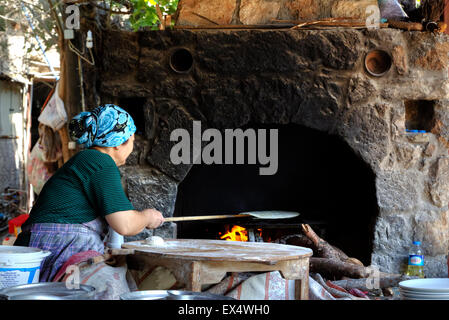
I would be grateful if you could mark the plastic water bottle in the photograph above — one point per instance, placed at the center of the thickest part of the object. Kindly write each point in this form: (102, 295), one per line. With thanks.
(416, 261)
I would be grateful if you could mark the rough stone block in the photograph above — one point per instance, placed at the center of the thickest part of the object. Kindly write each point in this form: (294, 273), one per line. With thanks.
(218, 11)
(439, 187)
(159, 156)
(258, 11)
(342, 46)
(124, 56)
(301, 10)
(398, 190)
(400, 59)
(319, 106)
(434, 58)
(407, 154)
(393, 232)
(367, 130)
(389, 263)
(441, 116)
(360, 89)
(430, 149)
(432, 229)
(436, 267)
(392, 238)
(233, 59)
(152, 66)
(351, 8)
(148, 188)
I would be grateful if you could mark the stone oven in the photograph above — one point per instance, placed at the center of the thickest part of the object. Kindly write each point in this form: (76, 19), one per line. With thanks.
(345, 102)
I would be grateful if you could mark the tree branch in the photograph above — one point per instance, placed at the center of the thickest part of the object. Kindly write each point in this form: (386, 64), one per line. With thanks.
(59, 27)
(42, 23)
(110, 10)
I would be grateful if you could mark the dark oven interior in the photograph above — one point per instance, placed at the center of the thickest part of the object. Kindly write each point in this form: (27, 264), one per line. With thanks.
(318, 175)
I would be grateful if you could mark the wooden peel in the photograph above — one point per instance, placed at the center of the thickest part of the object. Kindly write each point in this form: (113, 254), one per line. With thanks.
(409, 26)
(257, 214)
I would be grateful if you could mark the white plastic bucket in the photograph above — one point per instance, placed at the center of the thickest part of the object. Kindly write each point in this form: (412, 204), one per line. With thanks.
(20, 265)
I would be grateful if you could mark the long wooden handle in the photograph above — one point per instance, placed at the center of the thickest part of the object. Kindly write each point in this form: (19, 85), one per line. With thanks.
(410, 26)
(172, 219)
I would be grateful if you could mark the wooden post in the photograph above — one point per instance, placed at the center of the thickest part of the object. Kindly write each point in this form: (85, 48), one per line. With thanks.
(62, 92)
(68, 91)
(194, 277)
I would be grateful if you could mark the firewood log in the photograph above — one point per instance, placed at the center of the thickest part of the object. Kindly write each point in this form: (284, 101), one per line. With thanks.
(336, 269)
(299, 240)
(385, 281)
(334, 292)
(325, 250)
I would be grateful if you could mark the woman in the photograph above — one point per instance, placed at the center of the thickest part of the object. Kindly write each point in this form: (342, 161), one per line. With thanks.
(85, 195)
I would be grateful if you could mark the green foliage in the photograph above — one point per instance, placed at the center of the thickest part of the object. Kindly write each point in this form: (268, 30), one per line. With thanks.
(43, 15)
(145, 15)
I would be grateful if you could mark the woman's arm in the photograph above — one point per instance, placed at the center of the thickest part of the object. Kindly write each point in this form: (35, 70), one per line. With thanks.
(132, 222)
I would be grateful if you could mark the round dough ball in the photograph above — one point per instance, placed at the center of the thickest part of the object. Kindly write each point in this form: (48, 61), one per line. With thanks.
(155, 241)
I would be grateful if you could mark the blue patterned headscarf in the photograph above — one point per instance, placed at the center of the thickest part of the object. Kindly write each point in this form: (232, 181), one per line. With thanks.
(105, 126)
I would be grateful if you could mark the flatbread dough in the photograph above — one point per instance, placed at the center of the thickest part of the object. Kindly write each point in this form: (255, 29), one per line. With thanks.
(155, 241)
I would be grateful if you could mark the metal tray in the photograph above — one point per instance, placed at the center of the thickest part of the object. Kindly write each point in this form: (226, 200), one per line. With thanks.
(191, 295)
(171, 295)
(145, 295)
(47, 291)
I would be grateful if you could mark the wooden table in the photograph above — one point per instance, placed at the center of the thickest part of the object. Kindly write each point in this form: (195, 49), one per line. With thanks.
(198, 262)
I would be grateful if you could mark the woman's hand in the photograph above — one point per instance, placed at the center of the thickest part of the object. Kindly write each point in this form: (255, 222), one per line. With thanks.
(156, 218)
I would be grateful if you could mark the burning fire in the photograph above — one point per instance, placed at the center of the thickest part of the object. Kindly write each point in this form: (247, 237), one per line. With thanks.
(237, 233)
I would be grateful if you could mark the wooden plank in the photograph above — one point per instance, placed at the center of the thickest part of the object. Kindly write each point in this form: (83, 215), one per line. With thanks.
(194, 277)
(220, 250)
(302, 289)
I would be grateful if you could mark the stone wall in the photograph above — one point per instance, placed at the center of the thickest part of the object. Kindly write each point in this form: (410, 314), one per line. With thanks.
(307, 77)
(250, 12)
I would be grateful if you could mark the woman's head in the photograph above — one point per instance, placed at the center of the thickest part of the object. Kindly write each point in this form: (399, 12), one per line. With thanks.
(107, 126)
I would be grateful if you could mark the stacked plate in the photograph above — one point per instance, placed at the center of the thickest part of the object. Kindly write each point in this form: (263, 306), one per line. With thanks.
(425, 289)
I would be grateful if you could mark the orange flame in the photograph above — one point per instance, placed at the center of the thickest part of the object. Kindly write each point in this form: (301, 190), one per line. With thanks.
(237, 233)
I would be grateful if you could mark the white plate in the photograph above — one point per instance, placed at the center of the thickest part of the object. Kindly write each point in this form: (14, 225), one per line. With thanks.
(424, 293)
(426, 285)
(406, 297)
(427, 296)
